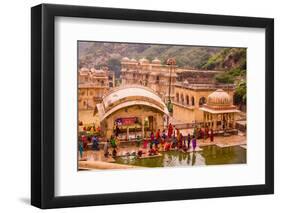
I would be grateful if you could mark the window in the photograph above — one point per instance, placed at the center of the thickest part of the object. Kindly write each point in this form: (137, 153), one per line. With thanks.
(202, 101)
(177, 97)
(192, 101)
(182, 99)
(187, 99)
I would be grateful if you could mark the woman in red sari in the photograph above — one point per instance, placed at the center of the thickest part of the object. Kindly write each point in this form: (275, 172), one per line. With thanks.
(212, 135)
(170, 130)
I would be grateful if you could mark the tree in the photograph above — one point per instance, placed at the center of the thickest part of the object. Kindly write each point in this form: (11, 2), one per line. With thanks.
(241, 91)
(114, 65)
(224, 78)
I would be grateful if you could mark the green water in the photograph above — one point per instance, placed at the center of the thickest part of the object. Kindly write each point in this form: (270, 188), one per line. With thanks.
(210, 155)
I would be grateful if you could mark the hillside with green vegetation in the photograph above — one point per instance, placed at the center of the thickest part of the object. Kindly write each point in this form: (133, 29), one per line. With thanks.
(233, 62)
(99, 54)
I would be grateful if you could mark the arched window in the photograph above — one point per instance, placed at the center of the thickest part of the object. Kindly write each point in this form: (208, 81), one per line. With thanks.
(177, 97)
(187, 99)
(202, 101)
(192, 101)
(182, 99)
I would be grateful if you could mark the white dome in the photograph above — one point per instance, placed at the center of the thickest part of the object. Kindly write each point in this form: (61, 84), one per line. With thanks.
(143, 61)
(125, 59)
(156, 61)
(84, 69)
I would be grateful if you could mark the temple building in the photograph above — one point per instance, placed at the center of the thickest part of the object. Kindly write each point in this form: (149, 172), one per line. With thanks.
(190, 97)
(219, 113)
(133, 109)
(161, 78)
(93, 84)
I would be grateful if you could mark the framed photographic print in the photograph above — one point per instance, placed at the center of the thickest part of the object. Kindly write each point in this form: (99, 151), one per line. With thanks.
(140, 106)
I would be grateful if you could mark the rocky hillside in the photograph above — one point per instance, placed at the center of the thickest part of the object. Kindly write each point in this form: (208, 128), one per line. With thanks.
(99, 54)
(227, 58)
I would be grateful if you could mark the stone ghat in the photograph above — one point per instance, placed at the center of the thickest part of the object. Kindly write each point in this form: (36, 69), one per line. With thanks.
(88, 165)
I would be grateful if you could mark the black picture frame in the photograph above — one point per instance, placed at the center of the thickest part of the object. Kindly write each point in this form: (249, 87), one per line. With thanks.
(43, 102)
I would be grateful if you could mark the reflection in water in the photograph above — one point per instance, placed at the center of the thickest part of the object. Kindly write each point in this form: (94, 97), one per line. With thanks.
(210, 155)
(193, 158)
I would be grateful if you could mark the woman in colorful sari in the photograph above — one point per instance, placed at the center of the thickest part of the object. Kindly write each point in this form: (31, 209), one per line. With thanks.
(163, 135)
(84, 141)
(194, 143)
(105, 149)
(113, 142)
(207, 132)
(180, 141)
(178, 134)
(80, 146)
(167, 146)
(157, 138)
(145, 144)
(212, 135)
(170, 130)
(188, 141)
(139, 140)
(174, 139)
(95, 142)
(151, 140)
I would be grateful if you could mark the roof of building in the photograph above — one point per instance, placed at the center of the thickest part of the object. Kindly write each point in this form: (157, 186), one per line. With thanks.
(219, 111)
(219, 97)
(129, 95)
(219, 102)
(193, 86)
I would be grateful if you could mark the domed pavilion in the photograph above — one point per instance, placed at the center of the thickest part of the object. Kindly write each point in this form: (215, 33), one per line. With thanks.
(219, 113)
(136, 110)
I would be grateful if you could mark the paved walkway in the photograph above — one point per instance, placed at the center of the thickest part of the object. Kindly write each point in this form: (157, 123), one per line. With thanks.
(89, 165)
(233, 140)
